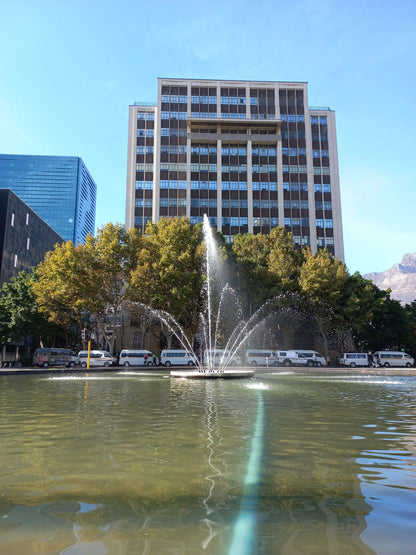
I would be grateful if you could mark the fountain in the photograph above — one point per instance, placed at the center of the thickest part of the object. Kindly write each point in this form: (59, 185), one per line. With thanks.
(219, 354)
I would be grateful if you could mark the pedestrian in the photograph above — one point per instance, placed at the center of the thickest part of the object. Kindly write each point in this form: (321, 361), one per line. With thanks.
(145, 359)
(154, 359)
(370, 360)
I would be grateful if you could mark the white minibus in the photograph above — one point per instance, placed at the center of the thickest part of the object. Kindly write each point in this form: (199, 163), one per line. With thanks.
(97, 358)
(136, 357)
(177, 357)
(261, 357)
(300, 357)
(221, 357)
(393, 358)
(354, 359)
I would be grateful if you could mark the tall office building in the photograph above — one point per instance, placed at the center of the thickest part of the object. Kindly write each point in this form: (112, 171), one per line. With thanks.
(59, 189)
(251, 155)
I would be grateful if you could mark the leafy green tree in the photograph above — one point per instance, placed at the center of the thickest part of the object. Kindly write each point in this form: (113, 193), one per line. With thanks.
(168, 275)
(265, 265)
(89, 280)
(322, 279)
(20, 315)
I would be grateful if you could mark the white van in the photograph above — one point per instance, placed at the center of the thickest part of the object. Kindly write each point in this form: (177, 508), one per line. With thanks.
(97, 358)
(393, 358)
(354, 359)
(261, 357)
(221, 356)
(177, 357)
(136, 357)
(300, 357)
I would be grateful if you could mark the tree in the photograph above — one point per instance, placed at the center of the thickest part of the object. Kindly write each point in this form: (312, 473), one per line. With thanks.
(89, 280)
(20, 315)
(265, 265)
(168, 276)
(322, 279)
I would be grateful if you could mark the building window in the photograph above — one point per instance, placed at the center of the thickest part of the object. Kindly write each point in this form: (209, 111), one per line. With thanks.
(15, 261)
(12, 220)
(27, 218)
(28, 243)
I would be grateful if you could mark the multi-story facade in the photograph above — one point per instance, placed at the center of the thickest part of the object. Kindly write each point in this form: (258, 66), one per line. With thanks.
(251, 155)
(24, 237)
(59, 189)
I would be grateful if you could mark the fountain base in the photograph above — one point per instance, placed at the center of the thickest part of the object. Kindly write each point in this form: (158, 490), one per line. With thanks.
(226, 374)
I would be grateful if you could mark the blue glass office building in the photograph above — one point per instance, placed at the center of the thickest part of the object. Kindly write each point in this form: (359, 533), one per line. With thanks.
(59, 189)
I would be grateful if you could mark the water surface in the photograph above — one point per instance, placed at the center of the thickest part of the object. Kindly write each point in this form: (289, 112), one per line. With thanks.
(135, 462)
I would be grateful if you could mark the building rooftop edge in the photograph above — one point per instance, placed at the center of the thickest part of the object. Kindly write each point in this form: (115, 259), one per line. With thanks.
(227, 80)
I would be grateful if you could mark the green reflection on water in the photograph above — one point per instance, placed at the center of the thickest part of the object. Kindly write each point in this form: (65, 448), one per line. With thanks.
(140, 464)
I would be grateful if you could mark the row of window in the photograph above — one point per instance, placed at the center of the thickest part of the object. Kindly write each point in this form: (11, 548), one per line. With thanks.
(321, 119)
(325, 241)
(295, 186)
(301, 240)
(240, 100)
(293, 151)
(172, 184)
(144, 150)
(202, 99)
(172, 202)
(203, 149)
(319, 153)
(174, 115)
(242, 186)
(322, 188)
(236, 222)
(149, 116)
(294, 168)
(173, 167)
(324, 223)
(144, 167)
(303, 204)
(143, 203)
(173, 149)
(145, 132)
(225, 100)
(166, 132)
(203, 114)
(292, 118)
(296, 222)
(175, 98)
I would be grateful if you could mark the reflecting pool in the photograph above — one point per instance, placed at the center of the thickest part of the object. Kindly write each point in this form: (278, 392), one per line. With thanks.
(137, 463)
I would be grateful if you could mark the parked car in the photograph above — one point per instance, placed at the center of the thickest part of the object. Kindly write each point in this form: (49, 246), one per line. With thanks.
(45, 357)
(354, 359)
(178, 357)
(97, 358)
(261, 357)
(393, 358)
(136, 357)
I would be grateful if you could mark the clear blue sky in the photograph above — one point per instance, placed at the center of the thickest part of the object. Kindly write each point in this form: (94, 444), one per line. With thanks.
(70, 68)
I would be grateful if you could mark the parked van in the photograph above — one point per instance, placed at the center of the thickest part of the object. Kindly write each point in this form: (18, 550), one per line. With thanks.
(97, 358)
(261, 357)
(221, 356)
(393, 358)
(300, 357)
(354, 359)
(136, 357)
(177, 357)
(54, 357)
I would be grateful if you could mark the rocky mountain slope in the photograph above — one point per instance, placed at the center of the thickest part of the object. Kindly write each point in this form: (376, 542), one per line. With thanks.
(401, 279)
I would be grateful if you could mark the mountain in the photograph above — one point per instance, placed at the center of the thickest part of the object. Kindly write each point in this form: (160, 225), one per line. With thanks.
(401, 279)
